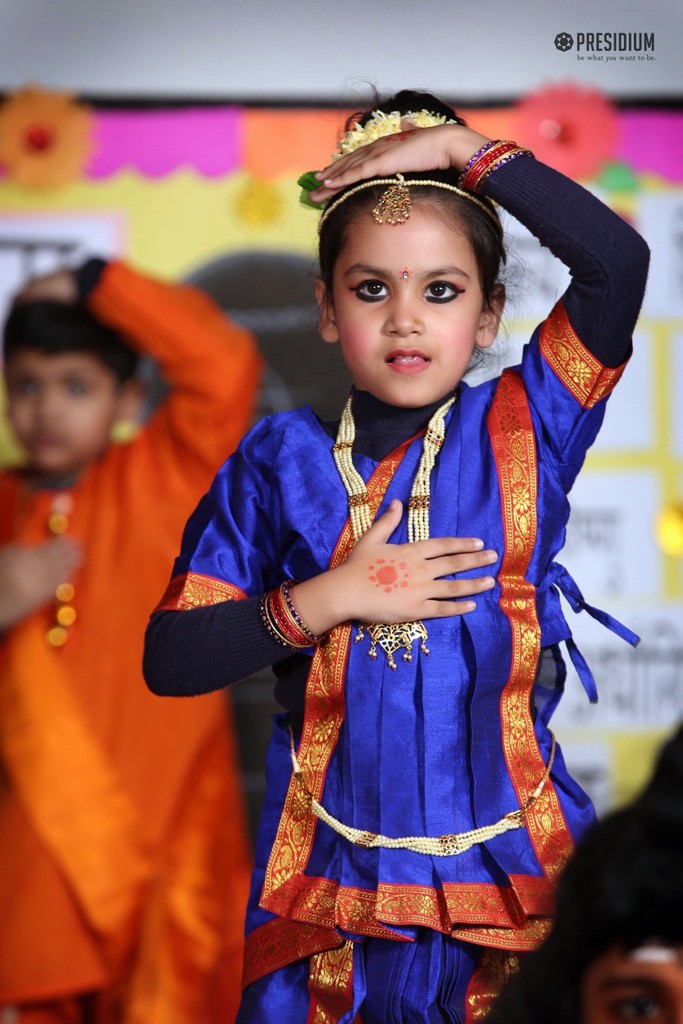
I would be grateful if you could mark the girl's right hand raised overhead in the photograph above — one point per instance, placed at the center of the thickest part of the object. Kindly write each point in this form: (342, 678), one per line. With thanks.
(414, 149)
(383, 582)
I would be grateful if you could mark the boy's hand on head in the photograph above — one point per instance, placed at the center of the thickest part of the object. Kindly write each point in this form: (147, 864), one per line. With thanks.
(58, 286)
(414, 149)
(383, 582)
(29, 576)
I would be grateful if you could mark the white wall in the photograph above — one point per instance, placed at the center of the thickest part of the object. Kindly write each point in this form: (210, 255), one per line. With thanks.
(328, 49)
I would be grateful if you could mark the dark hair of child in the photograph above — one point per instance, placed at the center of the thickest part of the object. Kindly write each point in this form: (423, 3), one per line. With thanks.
(484, 237)
(56, 328)
(622, 888)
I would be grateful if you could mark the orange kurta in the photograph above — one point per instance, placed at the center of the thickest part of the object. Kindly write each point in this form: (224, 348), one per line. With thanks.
(124, 863)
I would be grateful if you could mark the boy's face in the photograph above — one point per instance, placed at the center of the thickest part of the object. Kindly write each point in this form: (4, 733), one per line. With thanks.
(407, 308)
(644, 985)
(62, 408)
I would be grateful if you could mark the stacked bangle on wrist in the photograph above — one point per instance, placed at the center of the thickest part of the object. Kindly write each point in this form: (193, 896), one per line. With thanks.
(488, 159)
(282, 620)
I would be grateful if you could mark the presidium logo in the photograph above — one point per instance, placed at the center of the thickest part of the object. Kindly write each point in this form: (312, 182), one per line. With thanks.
(608, 46)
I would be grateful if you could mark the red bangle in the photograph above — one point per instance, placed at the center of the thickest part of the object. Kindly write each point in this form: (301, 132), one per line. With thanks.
(293, 613)
(282, 621)
(488, 159)
(475, 156)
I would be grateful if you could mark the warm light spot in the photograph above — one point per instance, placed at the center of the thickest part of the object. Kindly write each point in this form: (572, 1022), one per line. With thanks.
(57, 636)
(57, 523)
(669, 530)
(66, 615)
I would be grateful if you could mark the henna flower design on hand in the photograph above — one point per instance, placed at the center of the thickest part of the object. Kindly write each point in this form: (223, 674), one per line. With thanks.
(390, 575)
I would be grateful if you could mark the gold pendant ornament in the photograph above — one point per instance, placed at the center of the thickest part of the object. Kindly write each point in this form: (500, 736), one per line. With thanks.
(392, 636)
(394, 204)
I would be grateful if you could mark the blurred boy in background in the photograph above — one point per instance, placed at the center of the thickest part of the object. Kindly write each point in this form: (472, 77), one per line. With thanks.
(124, 862)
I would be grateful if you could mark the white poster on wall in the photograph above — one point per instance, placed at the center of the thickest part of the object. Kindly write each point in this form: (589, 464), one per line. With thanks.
(34, 244)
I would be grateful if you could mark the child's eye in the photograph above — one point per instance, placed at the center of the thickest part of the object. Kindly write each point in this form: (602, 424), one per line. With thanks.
(442, 291)
(370, 291)
(23, 386)
(76, 387)
(637, 1008)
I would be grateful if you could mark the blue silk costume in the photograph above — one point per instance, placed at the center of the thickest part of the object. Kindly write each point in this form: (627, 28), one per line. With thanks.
(449, 742)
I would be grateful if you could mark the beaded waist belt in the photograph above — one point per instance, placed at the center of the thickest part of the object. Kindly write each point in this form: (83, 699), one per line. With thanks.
(435, 846)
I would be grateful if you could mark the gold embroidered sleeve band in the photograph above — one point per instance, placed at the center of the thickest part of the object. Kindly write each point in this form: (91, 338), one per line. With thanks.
(583, 376)
(192, 590)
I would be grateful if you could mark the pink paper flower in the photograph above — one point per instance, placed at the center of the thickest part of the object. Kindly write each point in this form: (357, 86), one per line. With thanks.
(571, 128)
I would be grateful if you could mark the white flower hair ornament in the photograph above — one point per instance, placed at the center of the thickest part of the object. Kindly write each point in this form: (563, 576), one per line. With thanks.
(395, 203)
(378, 126)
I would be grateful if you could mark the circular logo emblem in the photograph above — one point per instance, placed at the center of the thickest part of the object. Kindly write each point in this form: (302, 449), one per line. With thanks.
(563, 41)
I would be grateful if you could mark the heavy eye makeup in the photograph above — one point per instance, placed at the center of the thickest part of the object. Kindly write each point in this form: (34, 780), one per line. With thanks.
(442, 291)
(370, 291)
(437, 292)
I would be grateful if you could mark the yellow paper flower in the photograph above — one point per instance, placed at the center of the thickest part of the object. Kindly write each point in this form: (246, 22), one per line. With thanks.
(45, 137)
(381, 125)
(259, 203)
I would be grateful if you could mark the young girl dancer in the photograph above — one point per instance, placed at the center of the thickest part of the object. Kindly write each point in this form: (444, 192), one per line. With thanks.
(418, 810)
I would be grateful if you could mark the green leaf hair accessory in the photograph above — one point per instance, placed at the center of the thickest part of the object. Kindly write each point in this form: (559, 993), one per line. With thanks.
(309, 182)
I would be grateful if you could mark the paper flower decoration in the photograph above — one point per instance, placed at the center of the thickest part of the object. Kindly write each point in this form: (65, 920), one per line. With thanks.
(258, 203)
(617, 177)
(574, 129)
(45, 138)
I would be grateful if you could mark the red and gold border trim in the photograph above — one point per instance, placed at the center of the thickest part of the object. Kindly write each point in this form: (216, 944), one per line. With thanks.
(330, 984)
(512, 918)
(281, 942)
(515, 940)
(326, 904)
(514, 449)
(583, 376)
(192, 590)
(493, 970)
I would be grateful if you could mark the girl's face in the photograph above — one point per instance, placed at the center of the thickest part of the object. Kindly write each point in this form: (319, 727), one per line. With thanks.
(407, 307)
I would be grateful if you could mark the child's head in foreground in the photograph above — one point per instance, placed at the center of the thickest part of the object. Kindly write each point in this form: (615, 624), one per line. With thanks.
(68, 379)
(409, 302)
(616, 950)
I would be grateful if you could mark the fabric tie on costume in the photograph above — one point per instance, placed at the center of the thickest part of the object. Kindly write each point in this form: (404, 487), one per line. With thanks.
(561, 580)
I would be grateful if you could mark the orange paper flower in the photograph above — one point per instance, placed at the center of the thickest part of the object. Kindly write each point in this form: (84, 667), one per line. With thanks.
(45, 137)
(572, 128)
